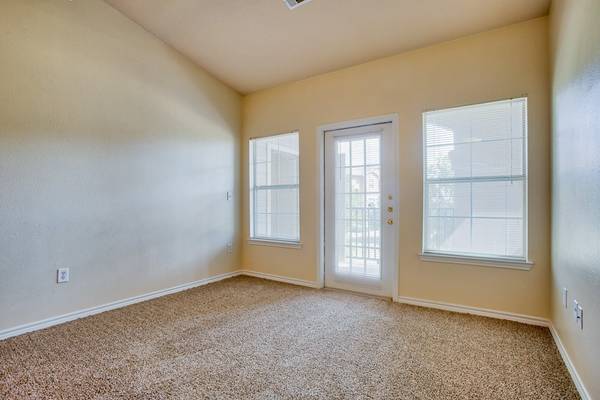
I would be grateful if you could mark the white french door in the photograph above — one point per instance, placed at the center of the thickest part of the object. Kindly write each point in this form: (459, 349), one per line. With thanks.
(360, 195)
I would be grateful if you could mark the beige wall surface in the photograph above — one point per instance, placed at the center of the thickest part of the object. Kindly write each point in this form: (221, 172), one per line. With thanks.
(116, 154)
(503, 63)
(575, 40)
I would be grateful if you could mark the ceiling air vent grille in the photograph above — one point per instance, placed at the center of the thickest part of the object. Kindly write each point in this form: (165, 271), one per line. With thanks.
(295, 3)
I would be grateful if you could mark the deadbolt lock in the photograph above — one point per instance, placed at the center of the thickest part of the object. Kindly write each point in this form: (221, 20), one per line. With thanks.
(390, 209)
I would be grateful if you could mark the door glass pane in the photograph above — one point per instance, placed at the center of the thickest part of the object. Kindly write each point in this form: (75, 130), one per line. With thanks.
(358, 206)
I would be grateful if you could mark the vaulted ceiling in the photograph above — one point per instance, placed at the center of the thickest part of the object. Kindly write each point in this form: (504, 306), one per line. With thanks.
(255, 44)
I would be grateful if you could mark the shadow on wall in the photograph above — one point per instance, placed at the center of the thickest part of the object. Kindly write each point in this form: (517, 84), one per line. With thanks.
(116, 154)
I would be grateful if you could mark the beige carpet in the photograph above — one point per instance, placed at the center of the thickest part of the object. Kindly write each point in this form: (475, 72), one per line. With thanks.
(247, 338)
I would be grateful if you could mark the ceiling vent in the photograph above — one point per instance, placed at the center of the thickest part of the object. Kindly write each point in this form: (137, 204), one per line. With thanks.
(295, 3)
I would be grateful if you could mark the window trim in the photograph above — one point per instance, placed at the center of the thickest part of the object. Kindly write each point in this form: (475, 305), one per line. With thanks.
(495, 262)
(522, 263)
(268, 241)
(275, 243)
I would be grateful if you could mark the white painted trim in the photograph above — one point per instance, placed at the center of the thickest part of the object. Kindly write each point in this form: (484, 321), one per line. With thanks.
(477, 261)
(60, 319)
(364, 289)
(359, 122)
(320, 207)
(275, 243)
(484, 312)
(526, 319)
(251, 191)
(294, 6)
(522, 98)
(279, 278)
(585, 395)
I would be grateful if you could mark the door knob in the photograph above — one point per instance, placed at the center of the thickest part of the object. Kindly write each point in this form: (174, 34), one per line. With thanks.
(390, 221)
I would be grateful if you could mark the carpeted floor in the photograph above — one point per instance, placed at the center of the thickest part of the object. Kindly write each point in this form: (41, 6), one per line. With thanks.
(246, 338)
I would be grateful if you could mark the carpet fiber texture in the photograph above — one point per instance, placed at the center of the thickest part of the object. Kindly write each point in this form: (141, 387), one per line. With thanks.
(247, 338)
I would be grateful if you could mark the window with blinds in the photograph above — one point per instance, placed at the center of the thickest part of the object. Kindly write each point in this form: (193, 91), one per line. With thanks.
(274, 188)
(475, 181)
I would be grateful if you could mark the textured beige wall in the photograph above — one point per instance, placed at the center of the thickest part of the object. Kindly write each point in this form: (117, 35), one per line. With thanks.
(507, 62)
(575, 33)
(115, 157)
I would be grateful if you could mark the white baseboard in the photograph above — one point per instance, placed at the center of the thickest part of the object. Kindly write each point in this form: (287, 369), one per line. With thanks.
(48, 322)
(570, 366)
(279, 278)
(60, 319)
(526, 319)
(485, 312)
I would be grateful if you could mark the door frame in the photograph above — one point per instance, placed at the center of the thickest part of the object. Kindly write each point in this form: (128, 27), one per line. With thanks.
(321, 130)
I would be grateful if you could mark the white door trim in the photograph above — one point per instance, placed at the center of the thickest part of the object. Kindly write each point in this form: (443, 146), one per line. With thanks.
(320, 206)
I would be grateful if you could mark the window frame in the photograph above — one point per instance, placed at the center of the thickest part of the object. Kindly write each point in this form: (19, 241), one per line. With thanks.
(523, 262)
(260, 240)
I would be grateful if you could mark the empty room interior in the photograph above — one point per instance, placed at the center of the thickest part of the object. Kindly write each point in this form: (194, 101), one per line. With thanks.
(300, 199)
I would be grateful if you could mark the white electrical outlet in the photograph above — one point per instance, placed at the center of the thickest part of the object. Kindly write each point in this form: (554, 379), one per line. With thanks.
(229, 248)
(62, 275)
(578, 313)
(565, 297)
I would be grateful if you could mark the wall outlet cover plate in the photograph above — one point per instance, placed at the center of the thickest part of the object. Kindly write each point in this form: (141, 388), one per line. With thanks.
(62, 275)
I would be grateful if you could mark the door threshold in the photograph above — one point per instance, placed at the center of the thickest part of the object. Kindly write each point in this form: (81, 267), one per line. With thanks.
(357, 293)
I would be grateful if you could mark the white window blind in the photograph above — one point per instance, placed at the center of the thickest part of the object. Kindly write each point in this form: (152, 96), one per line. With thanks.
(475, 180)
(274, 188)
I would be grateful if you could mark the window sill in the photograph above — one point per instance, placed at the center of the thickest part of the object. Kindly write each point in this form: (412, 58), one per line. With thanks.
(275, 243)
(523, 265)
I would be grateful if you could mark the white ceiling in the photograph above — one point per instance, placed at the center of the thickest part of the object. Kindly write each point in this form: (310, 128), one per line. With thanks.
(255, 44)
